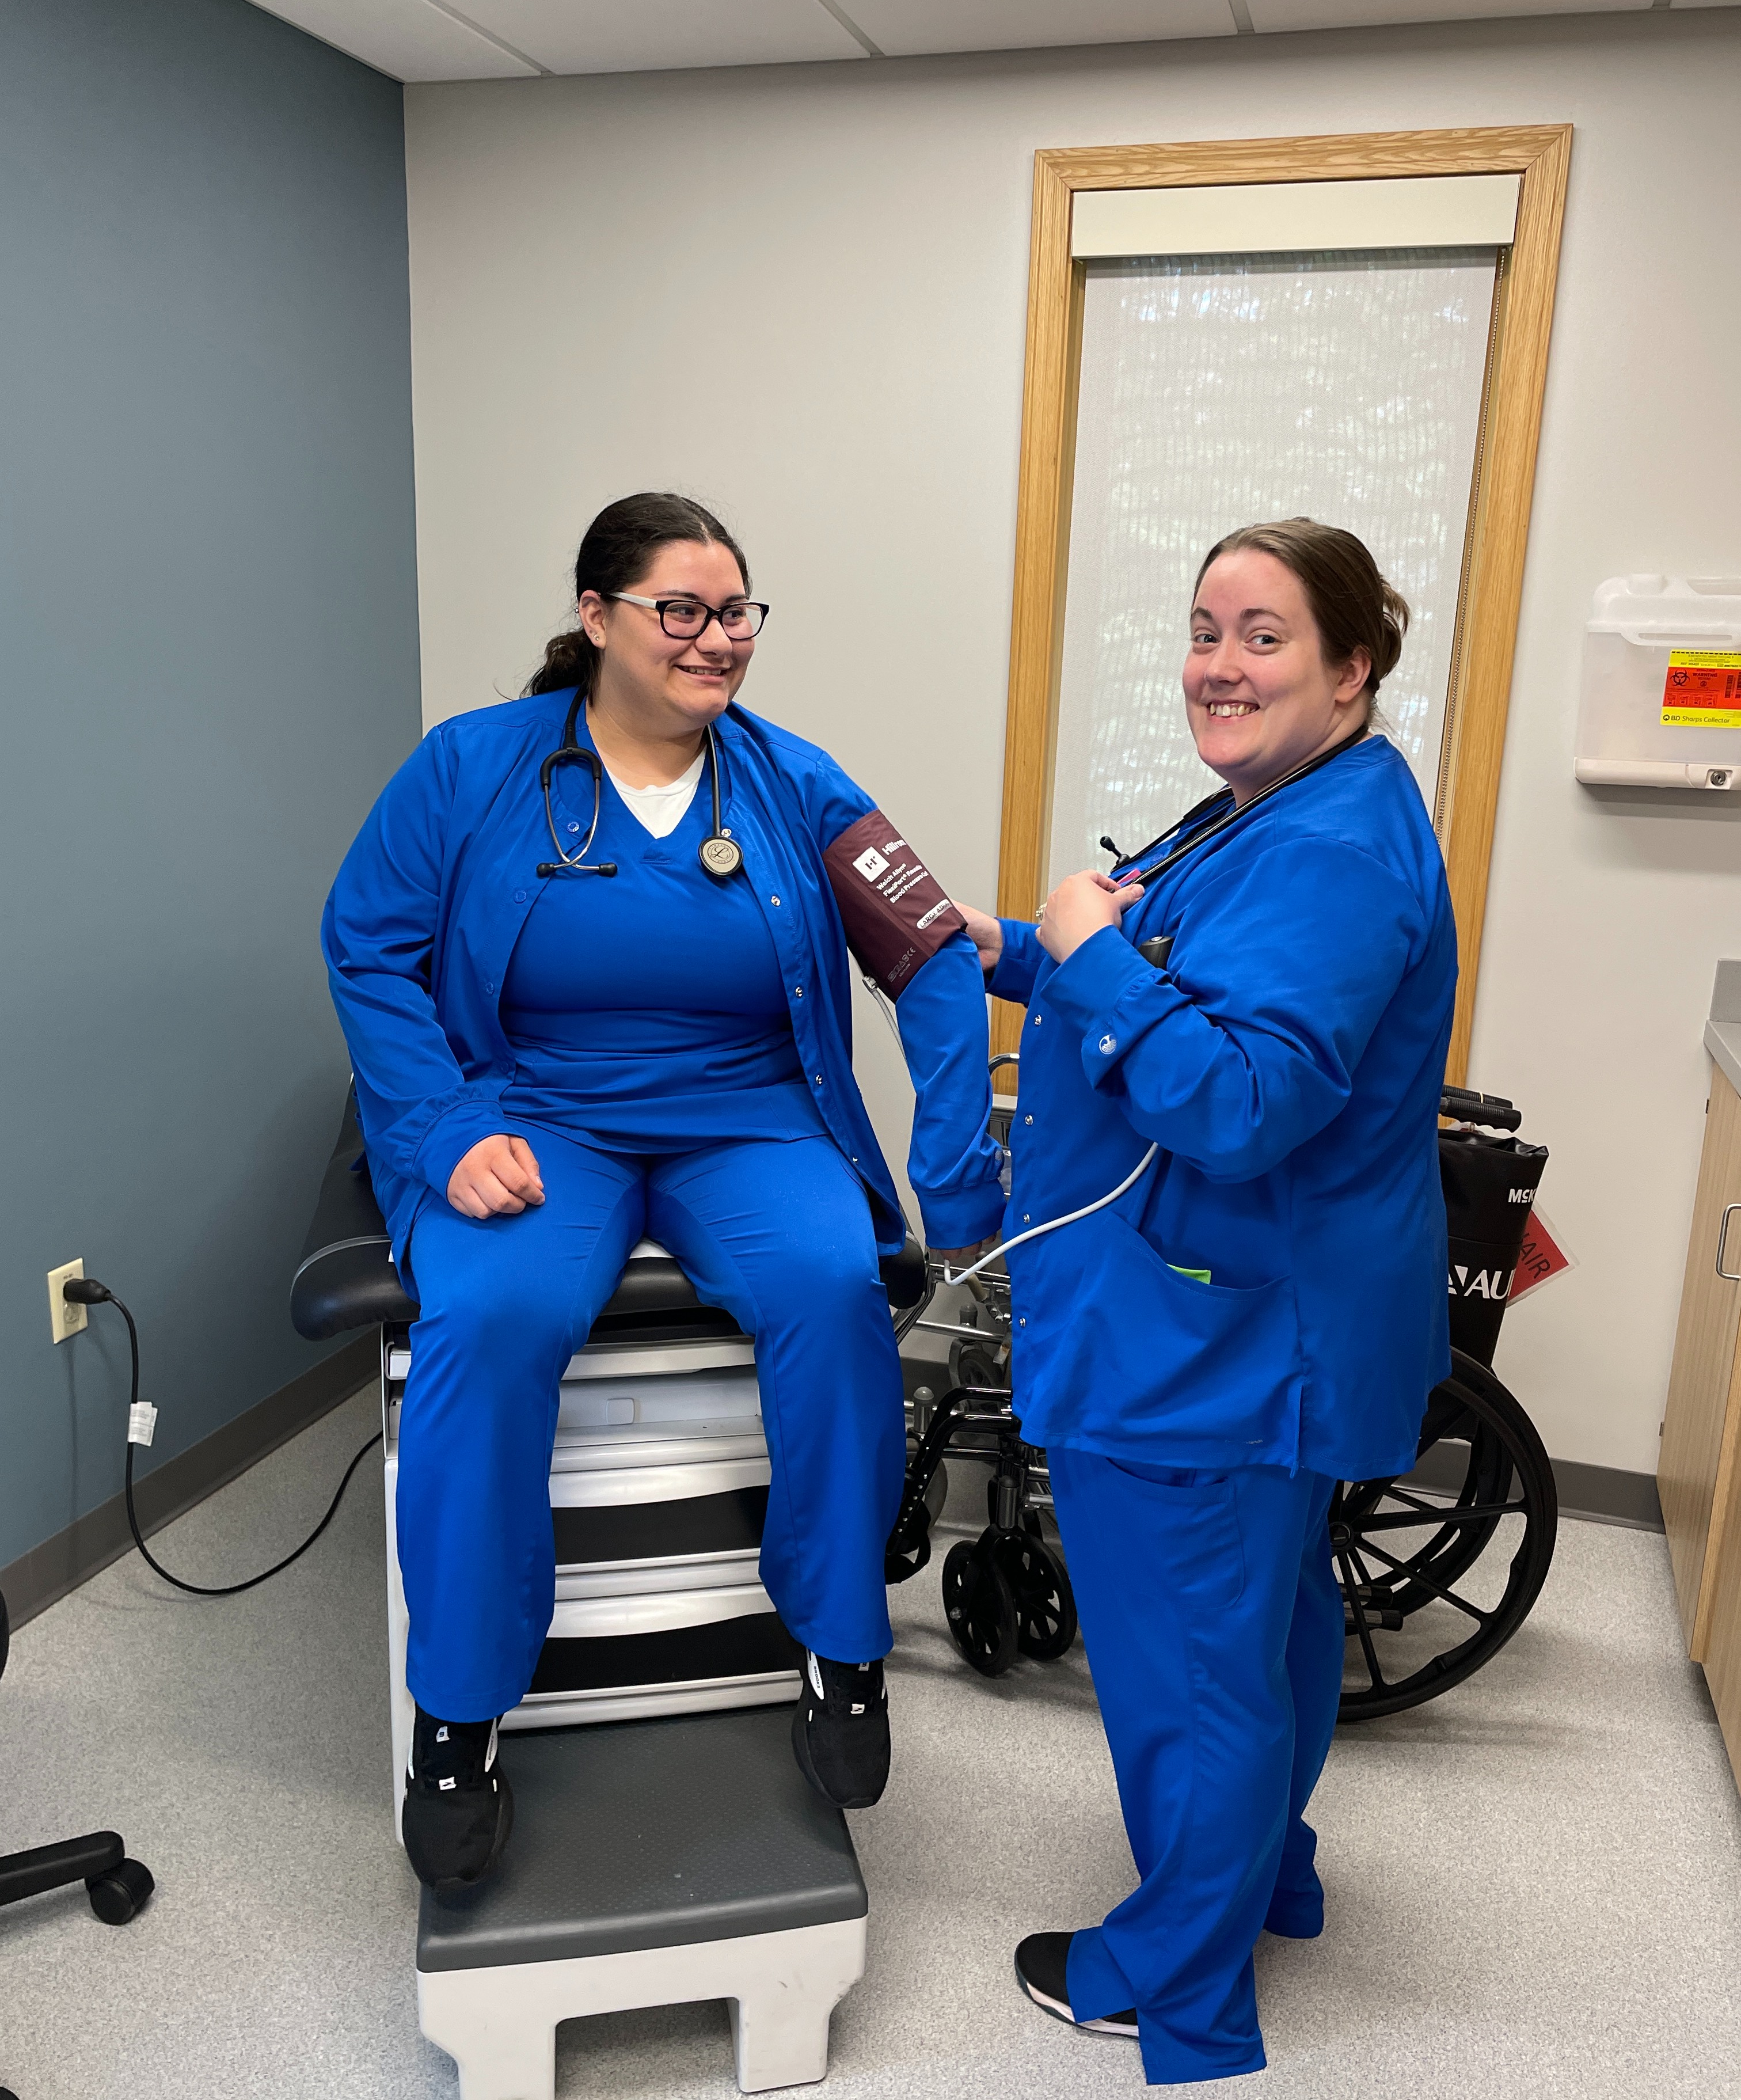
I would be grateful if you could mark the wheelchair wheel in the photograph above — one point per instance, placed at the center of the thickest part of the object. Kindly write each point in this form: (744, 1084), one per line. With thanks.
(980, 1607)
(1045, 1602)
(1426, 1603)
(984, 1365)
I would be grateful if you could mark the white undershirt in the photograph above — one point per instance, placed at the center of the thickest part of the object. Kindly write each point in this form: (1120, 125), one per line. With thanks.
(660, 810)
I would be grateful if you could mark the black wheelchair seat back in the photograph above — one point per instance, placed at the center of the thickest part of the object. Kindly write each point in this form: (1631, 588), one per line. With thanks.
(1489, 1176)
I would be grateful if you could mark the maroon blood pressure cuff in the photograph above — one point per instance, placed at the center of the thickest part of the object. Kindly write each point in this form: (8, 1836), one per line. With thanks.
(895, 915)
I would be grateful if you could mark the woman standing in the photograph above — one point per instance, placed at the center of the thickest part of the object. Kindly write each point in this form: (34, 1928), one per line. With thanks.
(1264, 1311)
(589, 952)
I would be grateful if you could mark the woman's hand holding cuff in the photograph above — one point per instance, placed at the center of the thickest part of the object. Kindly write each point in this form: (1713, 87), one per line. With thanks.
(984, 932)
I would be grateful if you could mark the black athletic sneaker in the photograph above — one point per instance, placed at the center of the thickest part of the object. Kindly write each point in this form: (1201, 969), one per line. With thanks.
(1041, 1962)
(840, 1730)
(459, 1807)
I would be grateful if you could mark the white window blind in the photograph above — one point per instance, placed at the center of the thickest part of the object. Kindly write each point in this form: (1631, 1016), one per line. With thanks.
(1222, 391)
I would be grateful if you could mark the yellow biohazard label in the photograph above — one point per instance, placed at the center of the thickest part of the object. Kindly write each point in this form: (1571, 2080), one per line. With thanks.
(1703, 689)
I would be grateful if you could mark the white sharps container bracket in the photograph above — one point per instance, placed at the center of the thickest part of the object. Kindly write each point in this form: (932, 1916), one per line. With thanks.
(1661, 700)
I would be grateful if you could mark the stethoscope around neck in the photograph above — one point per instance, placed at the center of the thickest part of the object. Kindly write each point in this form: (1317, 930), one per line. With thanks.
(720, 853)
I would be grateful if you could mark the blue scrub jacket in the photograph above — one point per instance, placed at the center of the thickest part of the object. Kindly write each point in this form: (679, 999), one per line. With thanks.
(1288, 1058)
(431, 898)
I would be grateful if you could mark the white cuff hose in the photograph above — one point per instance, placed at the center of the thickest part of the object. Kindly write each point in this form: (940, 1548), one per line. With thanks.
(1051, 1225)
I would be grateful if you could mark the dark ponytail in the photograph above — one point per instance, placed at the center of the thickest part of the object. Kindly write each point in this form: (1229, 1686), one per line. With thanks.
(614, 554)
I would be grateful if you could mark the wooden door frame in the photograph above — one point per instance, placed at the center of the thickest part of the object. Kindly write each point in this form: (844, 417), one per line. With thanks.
(1498, 530)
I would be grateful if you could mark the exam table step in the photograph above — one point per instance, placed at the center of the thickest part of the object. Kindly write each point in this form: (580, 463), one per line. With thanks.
(654, 1863)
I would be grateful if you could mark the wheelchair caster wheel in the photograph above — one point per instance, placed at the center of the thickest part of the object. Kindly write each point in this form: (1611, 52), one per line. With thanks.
(980, 1608)
(1045, 1602)
(118, 1897)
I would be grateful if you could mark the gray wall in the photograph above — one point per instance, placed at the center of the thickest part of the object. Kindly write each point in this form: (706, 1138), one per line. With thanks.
(208, 666)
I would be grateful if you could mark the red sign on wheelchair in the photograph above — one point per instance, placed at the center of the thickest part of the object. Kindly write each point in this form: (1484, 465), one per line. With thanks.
(1539, 1259)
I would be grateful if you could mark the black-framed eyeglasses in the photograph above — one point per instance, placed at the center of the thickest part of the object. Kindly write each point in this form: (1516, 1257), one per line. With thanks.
(685, 619)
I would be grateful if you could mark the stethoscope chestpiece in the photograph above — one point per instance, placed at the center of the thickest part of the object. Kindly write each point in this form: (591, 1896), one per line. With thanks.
(722, 856)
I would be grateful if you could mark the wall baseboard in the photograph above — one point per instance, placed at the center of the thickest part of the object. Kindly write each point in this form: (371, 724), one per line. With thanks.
(1608, 1494)
(90, 1543)
(1600, 1494)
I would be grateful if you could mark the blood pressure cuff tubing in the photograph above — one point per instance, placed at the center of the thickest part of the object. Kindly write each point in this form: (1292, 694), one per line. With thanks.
(896, 916)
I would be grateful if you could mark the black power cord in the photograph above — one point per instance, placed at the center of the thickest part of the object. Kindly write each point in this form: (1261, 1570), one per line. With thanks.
(86, 1291)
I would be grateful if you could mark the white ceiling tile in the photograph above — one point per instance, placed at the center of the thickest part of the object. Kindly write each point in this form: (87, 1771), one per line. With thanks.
(901, 27)
(407, 39)
(1274, 15)
(609, 36)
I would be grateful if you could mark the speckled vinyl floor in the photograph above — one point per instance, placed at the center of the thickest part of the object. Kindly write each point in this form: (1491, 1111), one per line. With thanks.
(1535, 1883)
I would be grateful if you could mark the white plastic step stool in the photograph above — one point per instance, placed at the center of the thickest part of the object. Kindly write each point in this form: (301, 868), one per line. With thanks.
(652, 1862)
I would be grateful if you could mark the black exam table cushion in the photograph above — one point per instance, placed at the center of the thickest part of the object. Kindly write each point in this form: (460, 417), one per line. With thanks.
(346, 1278)
(650, 1833)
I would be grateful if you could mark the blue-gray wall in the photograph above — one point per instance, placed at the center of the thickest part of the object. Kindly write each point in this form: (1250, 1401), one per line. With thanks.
(208, 666)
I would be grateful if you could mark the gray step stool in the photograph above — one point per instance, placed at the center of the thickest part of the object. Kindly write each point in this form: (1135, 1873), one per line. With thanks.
(653, 1863)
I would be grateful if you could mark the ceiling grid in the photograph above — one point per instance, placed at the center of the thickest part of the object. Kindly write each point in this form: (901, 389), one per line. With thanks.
(431, 40)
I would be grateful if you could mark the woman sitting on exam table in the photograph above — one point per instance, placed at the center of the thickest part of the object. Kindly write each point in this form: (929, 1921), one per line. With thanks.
(589, 952)
(1264, 1311)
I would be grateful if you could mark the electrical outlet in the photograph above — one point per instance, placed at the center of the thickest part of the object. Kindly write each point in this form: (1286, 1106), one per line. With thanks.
(66, 1320)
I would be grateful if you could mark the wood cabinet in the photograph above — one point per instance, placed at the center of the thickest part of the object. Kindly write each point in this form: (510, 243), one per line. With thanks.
(1698, 1475)
(1704, 1413)
(1721, 1655)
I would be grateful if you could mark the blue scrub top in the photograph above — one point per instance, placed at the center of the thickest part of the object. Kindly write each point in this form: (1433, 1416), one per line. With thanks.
(646, 1012)
(425, 916)
(1289, 1059)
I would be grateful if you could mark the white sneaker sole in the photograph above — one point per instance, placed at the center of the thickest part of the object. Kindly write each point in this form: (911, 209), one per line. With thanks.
(1061, 2011)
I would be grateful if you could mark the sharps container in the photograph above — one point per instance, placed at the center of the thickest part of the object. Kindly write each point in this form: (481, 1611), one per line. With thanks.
(1661, 699)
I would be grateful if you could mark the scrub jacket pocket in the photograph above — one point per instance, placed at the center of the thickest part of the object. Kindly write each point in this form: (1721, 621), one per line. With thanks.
(1145, 1363)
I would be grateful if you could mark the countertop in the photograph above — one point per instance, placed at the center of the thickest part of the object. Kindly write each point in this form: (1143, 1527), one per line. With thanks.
(1722, 1031)
(1722, 1039)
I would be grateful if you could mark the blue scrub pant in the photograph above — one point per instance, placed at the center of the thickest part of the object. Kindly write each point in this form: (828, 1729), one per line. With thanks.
(777, 1234)
(1214, 1626)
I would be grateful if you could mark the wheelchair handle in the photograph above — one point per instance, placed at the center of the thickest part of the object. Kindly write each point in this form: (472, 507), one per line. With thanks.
(1491, 1110)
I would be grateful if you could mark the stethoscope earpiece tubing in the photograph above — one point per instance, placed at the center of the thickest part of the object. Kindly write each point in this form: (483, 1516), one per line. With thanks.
(720, 853)
(1147, 875)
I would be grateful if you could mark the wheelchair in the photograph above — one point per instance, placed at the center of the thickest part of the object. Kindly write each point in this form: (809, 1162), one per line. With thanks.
(1437, 1567)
